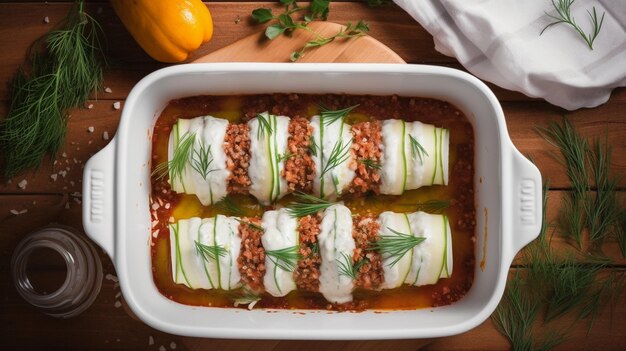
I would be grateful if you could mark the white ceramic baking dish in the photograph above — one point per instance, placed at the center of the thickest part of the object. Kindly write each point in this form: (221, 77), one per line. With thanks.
(116, 186)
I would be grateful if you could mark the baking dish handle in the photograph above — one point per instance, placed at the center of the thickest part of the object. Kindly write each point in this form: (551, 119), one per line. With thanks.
(527, 201)
(98, 189)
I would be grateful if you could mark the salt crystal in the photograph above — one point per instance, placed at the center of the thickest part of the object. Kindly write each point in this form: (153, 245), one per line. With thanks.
(111, 277)
(105, 135)
(155, 233)
(22, 184)
(15, 212)
(116, 105)
(77, 200)
(64, 155)
(54, 176)
(155, 206)
(162, 348)
(23, 211)
(118, 304)
(46, 19)
(90, 129)
(119, 293)
(173, 345)
(108, 90)
(150, 340)
(167, 206)
(90, 106)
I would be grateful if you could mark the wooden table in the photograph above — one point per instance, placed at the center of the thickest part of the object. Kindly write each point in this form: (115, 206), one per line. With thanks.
(104, 326)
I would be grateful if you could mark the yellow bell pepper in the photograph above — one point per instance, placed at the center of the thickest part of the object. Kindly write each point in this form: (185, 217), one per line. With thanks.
(168, 30)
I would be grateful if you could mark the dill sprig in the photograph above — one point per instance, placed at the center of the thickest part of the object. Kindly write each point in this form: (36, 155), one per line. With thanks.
(286, 259)
(285, 156)
(417, 150)
(264, 126)
(201, 161)
(582, 210)
(370, 163)
(347, 268)
(210, 252)
(245, 296)
(229, 206)
(339, 154)
(395, 246)
(250, 224)
(313, 147)
(176, 167)
(306, 205)
(328, 116)
(65, 66)
(563, 10)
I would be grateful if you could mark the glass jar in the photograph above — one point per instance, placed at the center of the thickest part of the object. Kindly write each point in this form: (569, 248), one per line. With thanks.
(83, 278)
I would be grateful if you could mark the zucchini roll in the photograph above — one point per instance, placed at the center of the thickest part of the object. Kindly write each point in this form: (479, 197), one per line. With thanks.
(331, 252)
(271, 156)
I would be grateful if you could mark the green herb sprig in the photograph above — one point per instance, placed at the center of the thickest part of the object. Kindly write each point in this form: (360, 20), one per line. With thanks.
(201, 161)
(370, 163)
(317, 10)
(395, 246)
(250, 224)
(347, 268)
(339, 154)
(230, 207)
(417, 150)
(210, 252)
(65, 67)
(563, 10)
(328, 116)
(286, 259)
(306, 204)
(176, 167)
(245, 296)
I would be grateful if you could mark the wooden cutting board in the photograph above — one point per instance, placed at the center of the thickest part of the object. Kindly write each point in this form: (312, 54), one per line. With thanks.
(257, 48)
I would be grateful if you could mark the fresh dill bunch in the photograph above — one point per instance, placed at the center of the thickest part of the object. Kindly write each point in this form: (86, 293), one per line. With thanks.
(328, 116)
(65, 66)
(563, 10)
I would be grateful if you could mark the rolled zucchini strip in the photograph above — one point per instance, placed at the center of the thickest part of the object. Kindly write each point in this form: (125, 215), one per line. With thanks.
(281, 243)
(432, 259)
(204, 252)
(268, 149)
(414, 154)
(331, 143)
(336, 248)
(396, 269)
(205, 173)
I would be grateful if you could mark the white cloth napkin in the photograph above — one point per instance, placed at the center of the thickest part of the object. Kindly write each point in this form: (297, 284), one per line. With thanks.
(499, 41)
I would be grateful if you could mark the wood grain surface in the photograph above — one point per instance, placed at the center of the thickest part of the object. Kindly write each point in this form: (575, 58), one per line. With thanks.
(103, 326)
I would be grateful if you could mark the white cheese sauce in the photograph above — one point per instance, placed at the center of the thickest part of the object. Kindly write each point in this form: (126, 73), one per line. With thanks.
(335, 244)
(280, 232)
(268, 146)
(332, 141)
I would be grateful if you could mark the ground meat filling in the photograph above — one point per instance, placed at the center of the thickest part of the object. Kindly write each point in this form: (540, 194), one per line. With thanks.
(299, 169)
(367, 138)
(237, 149)
(370, 274)
(251, 260)
(307, 274)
